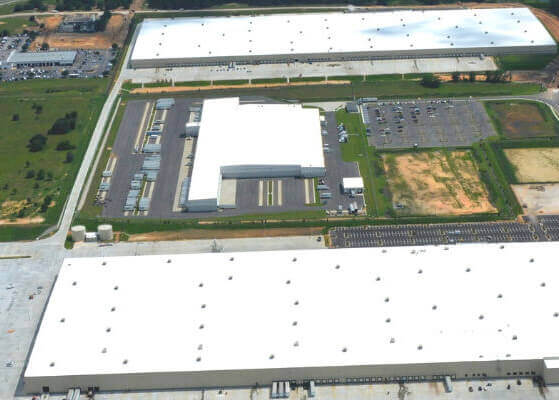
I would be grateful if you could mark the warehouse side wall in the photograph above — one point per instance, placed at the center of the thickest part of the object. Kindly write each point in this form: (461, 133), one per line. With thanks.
(348, 56)
(264, 377)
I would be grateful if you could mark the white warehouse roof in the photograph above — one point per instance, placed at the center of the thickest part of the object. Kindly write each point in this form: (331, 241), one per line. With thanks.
(248, 135)
(321, 33)
(203, 314)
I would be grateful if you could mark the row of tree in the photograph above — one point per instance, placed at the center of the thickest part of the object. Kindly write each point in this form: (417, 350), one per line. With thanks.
(30, 5)
(433, 81)
(196, 4)
(70, 5)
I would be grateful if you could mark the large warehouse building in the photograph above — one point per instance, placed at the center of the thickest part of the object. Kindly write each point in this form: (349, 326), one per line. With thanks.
(338, 36)
(252, 140)
(330, 316)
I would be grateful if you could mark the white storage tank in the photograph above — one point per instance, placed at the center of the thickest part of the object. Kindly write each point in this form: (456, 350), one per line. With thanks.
(105, 232)
(78, 233)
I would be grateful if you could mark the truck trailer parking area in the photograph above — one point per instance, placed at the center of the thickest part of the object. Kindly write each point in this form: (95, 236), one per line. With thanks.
(153, 158)
(426, 123)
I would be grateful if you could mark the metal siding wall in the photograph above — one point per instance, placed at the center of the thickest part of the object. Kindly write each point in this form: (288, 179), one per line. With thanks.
(264, 377)
(279, 58)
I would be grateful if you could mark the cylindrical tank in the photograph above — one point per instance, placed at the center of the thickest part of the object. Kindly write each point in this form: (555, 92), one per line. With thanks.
(105, 232)
(78, 233)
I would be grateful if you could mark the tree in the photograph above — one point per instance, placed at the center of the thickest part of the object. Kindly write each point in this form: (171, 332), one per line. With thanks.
(65, 145)
(46, 203)
(455, 76)
(49, 176)
(69, 157)
(41, 175)
(15, 117)
(30, 174)
(554, 7)
(37, 143)
(65, 73)
(45, 46)
(472, 76)
(115, 46)
(431, 81)
(4, 33)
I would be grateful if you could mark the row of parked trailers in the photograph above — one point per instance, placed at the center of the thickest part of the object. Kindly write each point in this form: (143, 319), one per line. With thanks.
(133, 199)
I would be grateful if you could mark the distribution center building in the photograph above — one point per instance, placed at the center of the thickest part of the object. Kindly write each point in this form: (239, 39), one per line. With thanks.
(251, 140)
(331, 316)
(338, 36)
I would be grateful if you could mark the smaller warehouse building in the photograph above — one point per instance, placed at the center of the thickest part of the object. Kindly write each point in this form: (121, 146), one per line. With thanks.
(352, 185)
(237, 140)
(42, 59)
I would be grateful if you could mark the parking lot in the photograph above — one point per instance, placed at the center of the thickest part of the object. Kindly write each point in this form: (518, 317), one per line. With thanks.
(436, 234)
(88, 63)
(426, 123)
(176, 155)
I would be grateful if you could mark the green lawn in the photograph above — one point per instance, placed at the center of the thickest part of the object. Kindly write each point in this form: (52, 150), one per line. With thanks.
(522, 119)
(525, 62)
(16, 24)
(380, 89)
(23, 189)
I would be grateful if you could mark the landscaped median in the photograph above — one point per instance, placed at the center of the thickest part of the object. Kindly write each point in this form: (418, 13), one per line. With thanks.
(336, 88)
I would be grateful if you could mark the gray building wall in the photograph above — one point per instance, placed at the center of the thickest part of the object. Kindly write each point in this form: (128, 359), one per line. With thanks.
(264, 377)
(350, 56)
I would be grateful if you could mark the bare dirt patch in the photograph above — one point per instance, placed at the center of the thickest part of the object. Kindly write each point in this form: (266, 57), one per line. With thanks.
(116, 32)
(22, 221)
(242, 86)
(223, 234)
(551, 22)
(535, 165)
(436, 183)
(538, 199)
(51, 23)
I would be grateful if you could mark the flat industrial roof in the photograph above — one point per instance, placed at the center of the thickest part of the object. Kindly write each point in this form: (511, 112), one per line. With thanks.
(216, 311)
(322, 33)
(42, 56)
(352, 183)
(251, 134)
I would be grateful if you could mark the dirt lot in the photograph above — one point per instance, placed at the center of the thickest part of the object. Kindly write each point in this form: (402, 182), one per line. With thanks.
(522, 119)
(223, 234)
(51, 23)
(116, 32)
(436, 183)
(551, 22)
(169, 89)
(538, 199)
(535, 165)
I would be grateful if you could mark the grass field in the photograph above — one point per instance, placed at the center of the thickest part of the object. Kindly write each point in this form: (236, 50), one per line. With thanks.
(535, 165)
(29, 179)
(524, 62)
(436, 183)
(522, 119)
(16, 24)
(382, 89)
